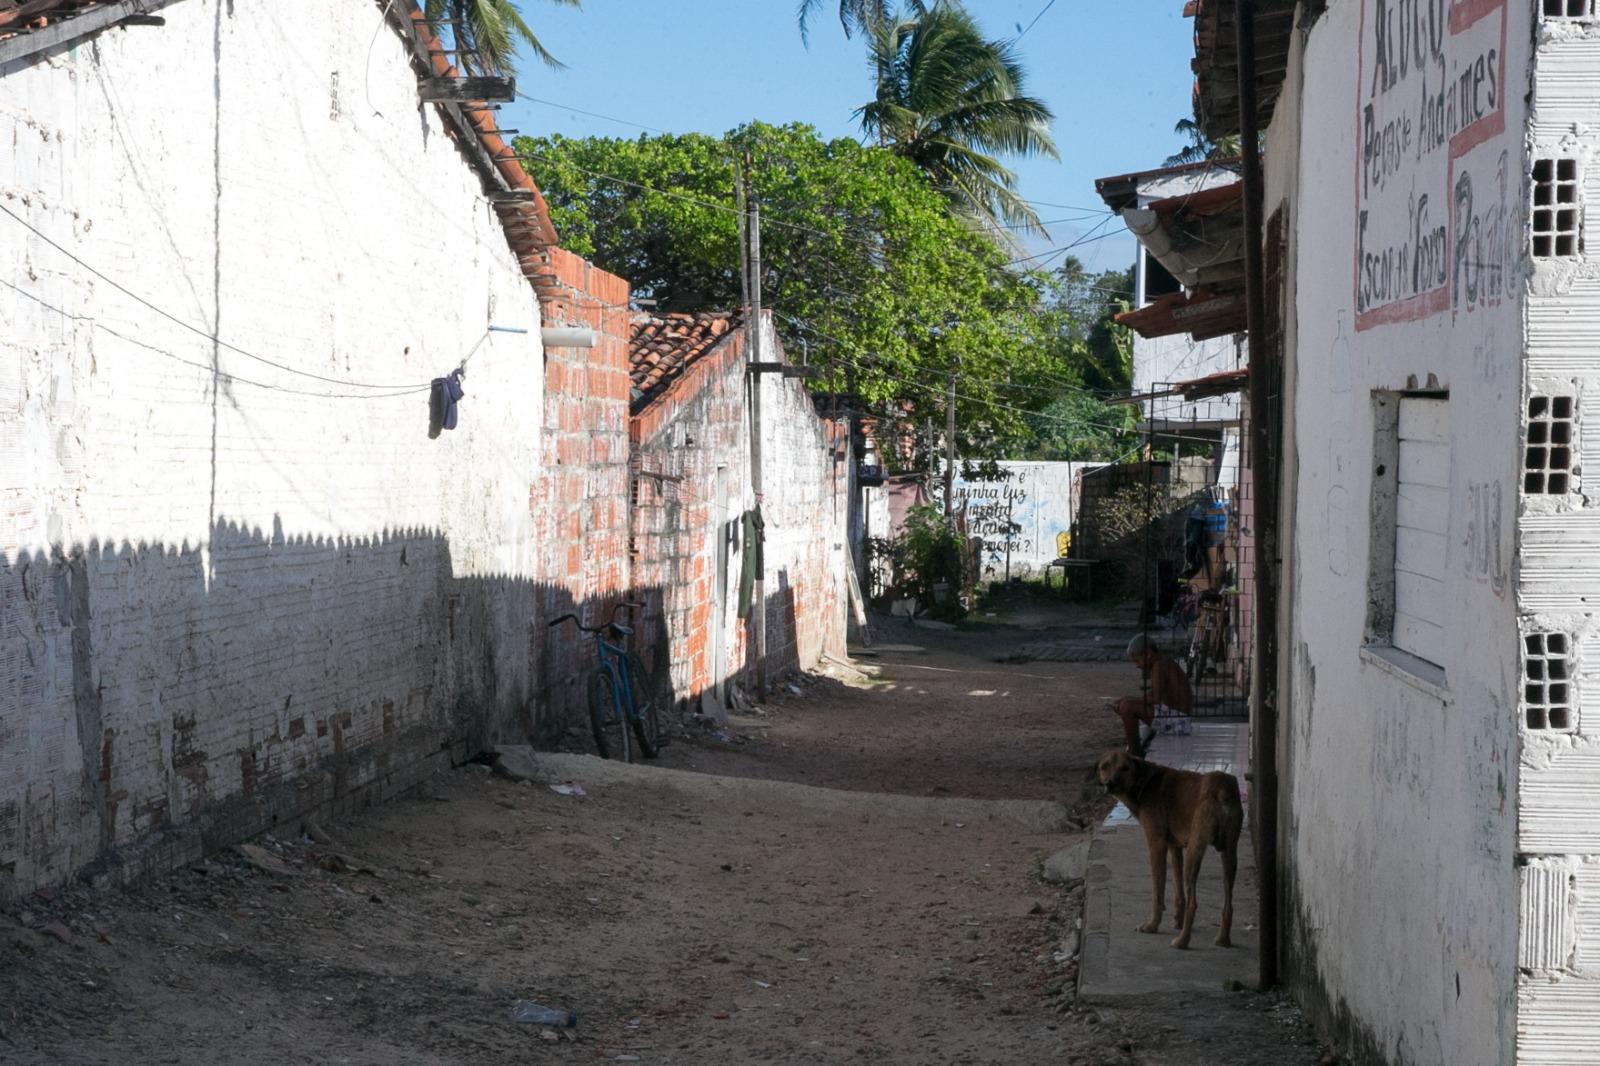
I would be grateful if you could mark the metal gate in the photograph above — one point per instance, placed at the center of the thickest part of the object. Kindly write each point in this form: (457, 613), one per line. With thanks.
(1199, 557)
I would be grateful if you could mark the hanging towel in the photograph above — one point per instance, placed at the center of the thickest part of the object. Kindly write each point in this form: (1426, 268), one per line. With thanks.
(442, 400)
(753, 562)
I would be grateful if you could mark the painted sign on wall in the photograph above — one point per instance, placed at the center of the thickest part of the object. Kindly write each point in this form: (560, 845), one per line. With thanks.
(1024, 517)
(1434, 226)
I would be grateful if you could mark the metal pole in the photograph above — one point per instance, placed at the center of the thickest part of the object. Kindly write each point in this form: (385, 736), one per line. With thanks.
(949, 446)
(760, 608)
(1264, 479)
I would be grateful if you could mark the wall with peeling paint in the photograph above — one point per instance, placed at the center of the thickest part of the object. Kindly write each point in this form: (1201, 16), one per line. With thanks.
(1401, 775)
(229, 591)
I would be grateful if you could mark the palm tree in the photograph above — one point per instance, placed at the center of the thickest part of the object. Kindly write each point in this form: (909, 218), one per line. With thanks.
(950, 100)
(1201, 147)
(854, 14)
(486, 33)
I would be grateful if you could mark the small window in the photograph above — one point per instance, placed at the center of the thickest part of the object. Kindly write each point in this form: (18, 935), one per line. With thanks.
(1568, 9)
(1557, 220)
(1421, 527)
(1547, 460)
(1547, 682)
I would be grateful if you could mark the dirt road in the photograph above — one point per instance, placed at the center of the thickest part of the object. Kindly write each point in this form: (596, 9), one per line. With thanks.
(893, 913)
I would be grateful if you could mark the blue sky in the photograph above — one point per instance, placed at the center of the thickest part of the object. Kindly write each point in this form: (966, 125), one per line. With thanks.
(1116, 73)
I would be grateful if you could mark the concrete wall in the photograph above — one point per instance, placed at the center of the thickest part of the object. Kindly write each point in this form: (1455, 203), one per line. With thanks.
(234, 586)
(1160, 362)
(807, 513)
(1559, 826)
(581, 513)
(692, 452)
(1401, 776)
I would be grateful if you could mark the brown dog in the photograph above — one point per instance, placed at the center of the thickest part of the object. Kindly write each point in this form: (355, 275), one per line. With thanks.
(1180, 812)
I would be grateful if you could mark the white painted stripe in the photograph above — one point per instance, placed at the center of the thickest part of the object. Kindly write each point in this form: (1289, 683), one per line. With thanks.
(1419, 637)
(1423, 507)
(1425, 463)
(1424, 420)
(1419, 552)
(1419, 596)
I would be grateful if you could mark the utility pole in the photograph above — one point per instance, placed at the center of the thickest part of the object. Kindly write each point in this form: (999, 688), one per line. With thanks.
(1265, 452)
(949, 446)
(753, 351)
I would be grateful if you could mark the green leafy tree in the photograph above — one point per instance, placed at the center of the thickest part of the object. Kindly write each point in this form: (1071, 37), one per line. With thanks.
(869, 274)
(487, 32)
(950, 100)
(1086, 304)
(1080, 425)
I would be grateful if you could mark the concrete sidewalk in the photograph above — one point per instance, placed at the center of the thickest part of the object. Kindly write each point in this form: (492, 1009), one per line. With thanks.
(1119, 962)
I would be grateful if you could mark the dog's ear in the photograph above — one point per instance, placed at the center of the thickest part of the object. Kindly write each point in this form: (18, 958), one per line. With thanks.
(1105, 767)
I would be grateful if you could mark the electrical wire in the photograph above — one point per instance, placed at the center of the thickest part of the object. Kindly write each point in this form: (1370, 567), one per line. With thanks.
(1044, 11)
(592, 114)
(206, 367)
(200, 331)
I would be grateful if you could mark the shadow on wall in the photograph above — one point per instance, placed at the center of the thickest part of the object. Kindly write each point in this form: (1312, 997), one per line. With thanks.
(160, 701)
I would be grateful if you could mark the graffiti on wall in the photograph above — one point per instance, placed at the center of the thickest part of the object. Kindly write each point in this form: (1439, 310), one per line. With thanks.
(1485, 556)
(1024, 516)
(1432, 195)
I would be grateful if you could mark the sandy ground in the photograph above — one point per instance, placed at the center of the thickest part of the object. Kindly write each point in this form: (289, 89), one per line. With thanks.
(686, 918)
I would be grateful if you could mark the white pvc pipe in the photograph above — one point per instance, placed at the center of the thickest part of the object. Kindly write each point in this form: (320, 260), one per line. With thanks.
(567, 337)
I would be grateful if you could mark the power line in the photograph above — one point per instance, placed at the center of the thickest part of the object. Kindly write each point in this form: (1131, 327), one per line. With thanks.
(208, 368)
(199, 331)
(1045, 10)
(1087, 238)
(592, 114)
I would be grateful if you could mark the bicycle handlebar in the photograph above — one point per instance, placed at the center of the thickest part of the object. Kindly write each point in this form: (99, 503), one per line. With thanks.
(572, 617)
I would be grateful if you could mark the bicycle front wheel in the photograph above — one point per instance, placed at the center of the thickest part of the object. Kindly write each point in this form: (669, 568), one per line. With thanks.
(606, 718)
(646, 704)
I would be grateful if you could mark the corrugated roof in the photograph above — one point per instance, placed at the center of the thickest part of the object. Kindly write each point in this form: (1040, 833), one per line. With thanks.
(664, 347)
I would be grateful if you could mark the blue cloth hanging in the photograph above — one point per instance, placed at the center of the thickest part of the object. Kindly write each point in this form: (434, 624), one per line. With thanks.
(442, 400)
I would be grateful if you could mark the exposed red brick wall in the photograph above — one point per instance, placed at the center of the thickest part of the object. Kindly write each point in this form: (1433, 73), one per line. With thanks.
(580, 504)
(698, 427)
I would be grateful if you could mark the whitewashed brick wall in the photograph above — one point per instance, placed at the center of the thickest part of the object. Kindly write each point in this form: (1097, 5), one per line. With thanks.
(1558, 1001)
(227, 597)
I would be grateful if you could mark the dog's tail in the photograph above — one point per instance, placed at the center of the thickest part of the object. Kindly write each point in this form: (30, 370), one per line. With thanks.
(1227, 811)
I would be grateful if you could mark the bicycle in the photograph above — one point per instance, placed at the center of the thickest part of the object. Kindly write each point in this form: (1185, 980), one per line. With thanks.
(620, 696)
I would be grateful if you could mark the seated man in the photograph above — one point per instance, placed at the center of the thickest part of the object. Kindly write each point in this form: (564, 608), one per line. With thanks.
(1166, 703)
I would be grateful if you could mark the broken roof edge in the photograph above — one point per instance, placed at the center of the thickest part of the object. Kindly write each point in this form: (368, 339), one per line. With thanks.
(499, 163)
(1201, 313)
(1216, 61)
(29, 28)
(1123, 190)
